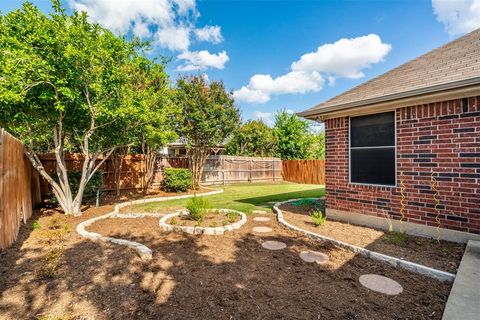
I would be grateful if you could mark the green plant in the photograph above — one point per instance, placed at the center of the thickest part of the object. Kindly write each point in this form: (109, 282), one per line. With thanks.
(177, 179)
(396, 238)
(232, 217)
(213, 224)
(36, 224)
(318, 218)
(173, 221)
(444, 250)
(197, 207)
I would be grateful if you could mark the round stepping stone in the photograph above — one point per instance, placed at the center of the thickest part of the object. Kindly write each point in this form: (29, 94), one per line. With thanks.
(274, 245)
(262, 229)
(259, 212)
(261, 219)
(381, 284)
(314, 256)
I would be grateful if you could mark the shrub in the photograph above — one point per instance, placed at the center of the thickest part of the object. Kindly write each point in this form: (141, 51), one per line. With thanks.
(197, 207)
(397, 238)
(177, 180)
(36, 225)
(318, 218)
(95, 183)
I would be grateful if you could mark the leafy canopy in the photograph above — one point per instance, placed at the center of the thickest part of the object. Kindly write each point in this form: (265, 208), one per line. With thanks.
(208, 114)
(253, 139)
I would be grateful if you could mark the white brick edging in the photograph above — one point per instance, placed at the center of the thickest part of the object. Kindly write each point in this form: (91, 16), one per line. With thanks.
(203, 230)
(396, 262)
(143, 251)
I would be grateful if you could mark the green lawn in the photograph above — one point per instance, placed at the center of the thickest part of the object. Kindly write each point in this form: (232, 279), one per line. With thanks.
(242, 197)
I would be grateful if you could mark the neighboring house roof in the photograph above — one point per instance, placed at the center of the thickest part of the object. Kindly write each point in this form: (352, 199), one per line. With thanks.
(452, 66)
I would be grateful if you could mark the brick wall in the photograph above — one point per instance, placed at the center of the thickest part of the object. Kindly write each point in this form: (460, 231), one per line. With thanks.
(442, 138)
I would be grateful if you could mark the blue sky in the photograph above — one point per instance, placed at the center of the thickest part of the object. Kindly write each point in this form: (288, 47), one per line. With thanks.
(234, 41)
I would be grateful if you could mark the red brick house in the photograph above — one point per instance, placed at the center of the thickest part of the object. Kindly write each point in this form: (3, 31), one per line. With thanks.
(413, 131)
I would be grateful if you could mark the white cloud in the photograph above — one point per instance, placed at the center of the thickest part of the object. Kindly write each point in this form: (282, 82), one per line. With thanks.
(267, 117)
(344, 58)
(201, 60)
(459, 16)
(173, 38)
(169, 23)
(211, 34)
(141, 30)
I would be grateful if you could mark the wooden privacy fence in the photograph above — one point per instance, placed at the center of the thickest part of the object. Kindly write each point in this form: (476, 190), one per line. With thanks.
(218, 170)
(234, 169)
(19, 188)
(304, 171)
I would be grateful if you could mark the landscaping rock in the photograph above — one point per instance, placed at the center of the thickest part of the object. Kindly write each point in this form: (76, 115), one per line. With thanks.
(261, 219)
(381, 284)
(274, 245)
(314, 256)
(262, 229)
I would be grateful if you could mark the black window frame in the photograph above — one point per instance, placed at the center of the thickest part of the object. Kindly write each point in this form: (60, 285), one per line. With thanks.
(394, 147)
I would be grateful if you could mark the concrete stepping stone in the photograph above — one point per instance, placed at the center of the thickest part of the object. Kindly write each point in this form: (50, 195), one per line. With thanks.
(381, 284)
(314, 256)
(274, 245)
(259, 212)
(262, 229)
(261, 219)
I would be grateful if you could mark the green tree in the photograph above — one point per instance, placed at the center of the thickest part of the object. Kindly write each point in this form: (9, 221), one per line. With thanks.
(318, 145)
(65, 86)
(253, 139)
(207, 116)
(294, 140)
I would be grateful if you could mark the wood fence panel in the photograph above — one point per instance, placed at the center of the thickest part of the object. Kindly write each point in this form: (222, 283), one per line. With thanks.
(304, 171)
(16, 185)
(218, 170)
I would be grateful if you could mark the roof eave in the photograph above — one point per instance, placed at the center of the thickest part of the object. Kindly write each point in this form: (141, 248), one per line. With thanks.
(321, 111)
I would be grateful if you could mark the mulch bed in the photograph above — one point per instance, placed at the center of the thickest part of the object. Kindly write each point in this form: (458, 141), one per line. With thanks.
(227, 276)
(212, 220)
(441, 255)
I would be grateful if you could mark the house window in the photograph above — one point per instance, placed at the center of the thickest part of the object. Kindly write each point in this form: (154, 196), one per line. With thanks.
(372, 149)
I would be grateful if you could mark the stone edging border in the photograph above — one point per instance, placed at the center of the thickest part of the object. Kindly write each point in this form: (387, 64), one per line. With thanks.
(143, 251)
(396, 262)
(203, 230)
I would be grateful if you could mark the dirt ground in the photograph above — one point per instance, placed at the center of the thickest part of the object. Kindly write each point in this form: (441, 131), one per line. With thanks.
(227, 276)
(211, 219)
(444, 256)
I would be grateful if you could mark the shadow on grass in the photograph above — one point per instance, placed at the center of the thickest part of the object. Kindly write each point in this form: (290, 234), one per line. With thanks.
(268, 200)
(213, 277)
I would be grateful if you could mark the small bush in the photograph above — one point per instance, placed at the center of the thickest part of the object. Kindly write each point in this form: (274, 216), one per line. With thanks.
(36, 225)
(396, 238)
(318, 218)
(173, 221)
(232, 217)
(197, 207)
(213, 224)
(177, 180)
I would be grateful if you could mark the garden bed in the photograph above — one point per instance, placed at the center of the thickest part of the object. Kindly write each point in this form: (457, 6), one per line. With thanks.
(214, 218)
(216, 221)
(441, 255)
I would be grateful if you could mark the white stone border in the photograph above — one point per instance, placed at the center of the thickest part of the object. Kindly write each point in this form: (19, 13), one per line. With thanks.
(396, 262)
(143, 251)
(203, 230)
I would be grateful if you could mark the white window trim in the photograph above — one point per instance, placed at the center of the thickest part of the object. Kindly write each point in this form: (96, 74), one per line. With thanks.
(350, 151)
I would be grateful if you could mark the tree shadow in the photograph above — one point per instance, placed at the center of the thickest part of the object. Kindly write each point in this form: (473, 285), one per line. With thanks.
(268, 200)
(228, 276)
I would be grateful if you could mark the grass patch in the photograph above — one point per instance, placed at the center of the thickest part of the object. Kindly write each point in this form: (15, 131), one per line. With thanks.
(242, 197)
